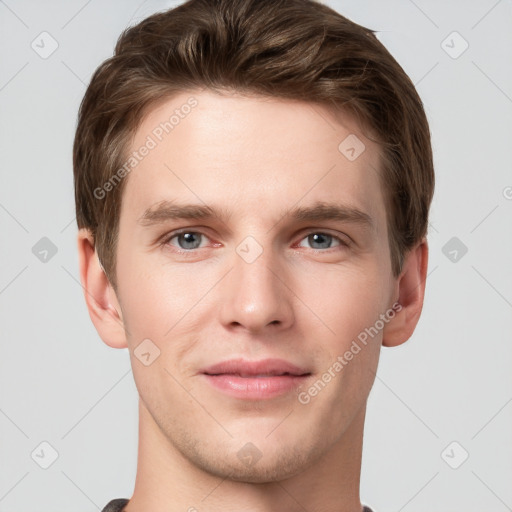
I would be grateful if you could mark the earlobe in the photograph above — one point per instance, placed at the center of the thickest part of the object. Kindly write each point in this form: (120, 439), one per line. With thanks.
(411, 289)
(100, 297)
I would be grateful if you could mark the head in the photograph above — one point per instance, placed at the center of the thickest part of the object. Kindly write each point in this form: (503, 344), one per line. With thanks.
(285, 125)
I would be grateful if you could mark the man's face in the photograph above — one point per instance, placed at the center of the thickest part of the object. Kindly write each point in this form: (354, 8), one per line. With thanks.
(253, 282)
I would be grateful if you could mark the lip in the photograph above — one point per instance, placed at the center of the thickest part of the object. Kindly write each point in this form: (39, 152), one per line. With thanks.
(255, 380)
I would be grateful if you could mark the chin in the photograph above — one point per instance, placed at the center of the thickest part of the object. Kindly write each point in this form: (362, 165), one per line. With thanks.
(275, 467)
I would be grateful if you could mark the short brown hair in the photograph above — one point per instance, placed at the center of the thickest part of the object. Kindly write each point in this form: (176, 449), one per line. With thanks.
(290, 49)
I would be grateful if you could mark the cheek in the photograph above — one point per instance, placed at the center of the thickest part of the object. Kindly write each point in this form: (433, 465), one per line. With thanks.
(348, 303)
(342, 299)
(157, 306)
(337, 300)
(152, 305)
(159, 301)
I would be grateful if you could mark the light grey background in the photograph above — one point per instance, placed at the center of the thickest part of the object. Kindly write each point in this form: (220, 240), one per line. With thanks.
(451, 382)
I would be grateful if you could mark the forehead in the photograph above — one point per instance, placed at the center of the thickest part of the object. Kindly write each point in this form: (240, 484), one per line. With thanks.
(243, 152)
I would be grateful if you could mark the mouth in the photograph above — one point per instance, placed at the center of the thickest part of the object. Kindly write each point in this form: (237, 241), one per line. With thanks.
(255, 380)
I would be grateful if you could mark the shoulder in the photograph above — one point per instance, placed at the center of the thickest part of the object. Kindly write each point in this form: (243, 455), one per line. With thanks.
(117, 505)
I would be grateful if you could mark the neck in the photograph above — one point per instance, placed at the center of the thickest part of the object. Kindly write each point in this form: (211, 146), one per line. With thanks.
(167, 481)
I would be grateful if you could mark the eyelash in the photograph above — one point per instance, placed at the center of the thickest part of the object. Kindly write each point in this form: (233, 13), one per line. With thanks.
(166, 241)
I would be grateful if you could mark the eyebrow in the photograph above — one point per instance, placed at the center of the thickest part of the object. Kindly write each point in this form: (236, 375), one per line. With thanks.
(320, 211)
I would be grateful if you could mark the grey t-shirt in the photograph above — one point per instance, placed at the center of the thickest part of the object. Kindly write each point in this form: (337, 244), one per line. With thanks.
(118, 504)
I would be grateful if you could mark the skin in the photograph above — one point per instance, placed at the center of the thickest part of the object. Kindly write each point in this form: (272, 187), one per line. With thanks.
(303, 301)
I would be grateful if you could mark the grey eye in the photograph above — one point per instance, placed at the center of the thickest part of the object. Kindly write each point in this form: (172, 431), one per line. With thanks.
(321, 240)
(188, 240)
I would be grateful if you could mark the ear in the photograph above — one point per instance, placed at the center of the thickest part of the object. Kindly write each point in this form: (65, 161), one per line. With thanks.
(411, 291)
(102, 303)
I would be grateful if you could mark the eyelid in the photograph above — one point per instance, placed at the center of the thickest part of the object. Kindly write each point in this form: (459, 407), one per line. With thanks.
(165, 239)
(345, 241)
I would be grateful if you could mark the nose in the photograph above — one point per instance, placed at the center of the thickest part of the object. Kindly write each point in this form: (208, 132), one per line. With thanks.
(256, 295)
